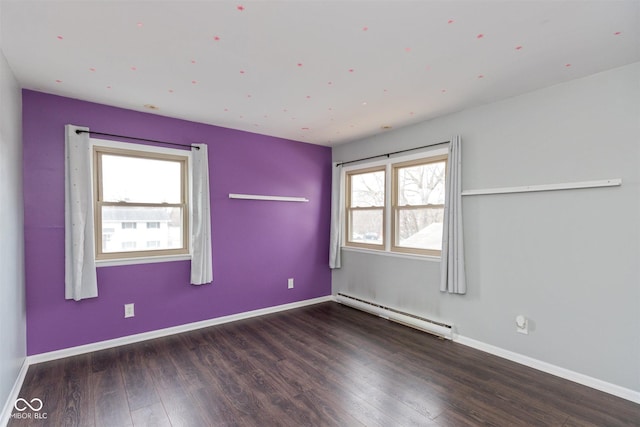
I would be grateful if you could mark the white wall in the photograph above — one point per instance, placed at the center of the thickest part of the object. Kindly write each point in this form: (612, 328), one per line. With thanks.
(12, 299)
(569, 260)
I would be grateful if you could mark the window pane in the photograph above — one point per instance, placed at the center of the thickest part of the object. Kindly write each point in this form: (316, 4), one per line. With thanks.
(117, 238)
(366, 227)
(421, 184)
(131, 179)
(367, 189)
(420, 228)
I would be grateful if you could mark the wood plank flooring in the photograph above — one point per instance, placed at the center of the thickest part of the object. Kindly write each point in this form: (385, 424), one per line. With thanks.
(323, 365)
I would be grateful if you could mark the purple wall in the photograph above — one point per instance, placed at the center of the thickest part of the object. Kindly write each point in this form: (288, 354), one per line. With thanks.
(257, 245)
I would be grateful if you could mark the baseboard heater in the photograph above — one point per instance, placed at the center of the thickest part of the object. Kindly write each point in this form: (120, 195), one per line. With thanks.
(436, 328)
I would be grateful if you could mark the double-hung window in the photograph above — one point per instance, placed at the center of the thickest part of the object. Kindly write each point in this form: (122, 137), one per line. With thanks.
(366, 206)
(418, 205)
(140, 202)
(397, 205)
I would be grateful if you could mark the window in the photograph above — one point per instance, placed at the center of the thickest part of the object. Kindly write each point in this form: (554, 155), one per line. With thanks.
(418, 206)
(397, 206)
(366, 208)
(135, 191)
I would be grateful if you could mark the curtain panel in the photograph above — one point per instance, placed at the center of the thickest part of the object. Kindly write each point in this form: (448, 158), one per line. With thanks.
(452, 274)
(201, 254)
(337, 206)
(80, 264)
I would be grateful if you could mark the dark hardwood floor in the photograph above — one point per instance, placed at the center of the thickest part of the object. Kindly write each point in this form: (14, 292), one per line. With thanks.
(323, 365)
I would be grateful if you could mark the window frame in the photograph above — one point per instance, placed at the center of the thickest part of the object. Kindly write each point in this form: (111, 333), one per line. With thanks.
(395, 208)
(390, 165)
(349, 209)
(101, 147)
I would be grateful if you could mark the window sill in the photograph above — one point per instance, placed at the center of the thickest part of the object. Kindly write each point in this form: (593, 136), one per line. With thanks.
(392, 254)
(142, 260)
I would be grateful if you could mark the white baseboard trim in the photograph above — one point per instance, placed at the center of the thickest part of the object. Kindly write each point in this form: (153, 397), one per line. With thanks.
(14, 394)
(130, 339)
(567, 374)
(588, 381)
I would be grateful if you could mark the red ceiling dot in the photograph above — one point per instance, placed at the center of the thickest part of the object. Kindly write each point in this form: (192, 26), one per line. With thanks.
(450, 21)
(407, 49)
(139, 24)
(617, 33)
(193, 61)
(58, 81)
(299, 64)
(241, 71)
(216, 38)
(329, 83)
(240, 8)
(567, 65)
(92, 69)
(411, 113)
(481, 76)
(365, 28)
(351, 70)
(518, 47)
(226, 109)
(108, 87)
(170, 90)
(308, 96)
(60, 38)
(194, 82)
(133, 68)
(248, 95)
(479, 36)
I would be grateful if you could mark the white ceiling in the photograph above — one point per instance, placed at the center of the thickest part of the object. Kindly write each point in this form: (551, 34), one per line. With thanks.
(324, 72)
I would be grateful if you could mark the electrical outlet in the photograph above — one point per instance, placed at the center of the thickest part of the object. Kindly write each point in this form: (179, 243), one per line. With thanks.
(129, 310)
(522, 324)
(290, 283)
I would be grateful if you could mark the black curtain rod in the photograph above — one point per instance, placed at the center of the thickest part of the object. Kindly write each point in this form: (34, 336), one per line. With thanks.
(392, 153)
(91, 132)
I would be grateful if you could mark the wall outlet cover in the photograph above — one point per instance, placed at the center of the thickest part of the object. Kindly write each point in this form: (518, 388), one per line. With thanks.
(129, 310)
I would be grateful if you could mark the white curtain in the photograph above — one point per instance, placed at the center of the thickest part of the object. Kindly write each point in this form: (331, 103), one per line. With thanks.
(336, 216)
(452, 276)
(202, 258)
(80, 262)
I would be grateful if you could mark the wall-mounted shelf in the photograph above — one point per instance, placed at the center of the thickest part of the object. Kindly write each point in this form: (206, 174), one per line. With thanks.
(614, 182)
(261, 197)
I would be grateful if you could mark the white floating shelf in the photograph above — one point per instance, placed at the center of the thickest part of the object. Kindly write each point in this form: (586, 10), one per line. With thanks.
(261, 197)
(615, 182)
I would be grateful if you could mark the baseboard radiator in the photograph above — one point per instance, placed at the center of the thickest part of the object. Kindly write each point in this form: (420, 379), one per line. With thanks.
(436, 328)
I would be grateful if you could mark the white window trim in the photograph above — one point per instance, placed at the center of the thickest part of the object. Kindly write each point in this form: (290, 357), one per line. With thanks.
(149, 149)
(142, 260)
(387, 162)
(392, 254)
